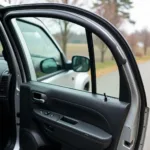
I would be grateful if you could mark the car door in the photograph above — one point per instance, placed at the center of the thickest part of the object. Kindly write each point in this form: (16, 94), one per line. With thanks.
(56, 117)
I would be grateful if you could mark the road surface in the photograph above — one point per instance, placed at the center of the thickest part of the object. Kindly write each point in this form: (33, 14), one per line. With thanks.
(145, 72)
(110, 89)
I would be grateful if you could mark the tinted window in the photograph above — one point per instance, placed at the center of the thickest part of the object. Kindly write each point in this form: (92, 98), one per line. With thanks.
(107, 73)
(40, 46)
(73, 42)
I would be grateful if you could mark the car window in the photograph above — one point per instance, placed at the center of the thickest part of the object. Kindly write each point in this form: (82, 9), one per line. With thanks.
(72, 41)
(40, 46)
(46, 55)
(107, 73)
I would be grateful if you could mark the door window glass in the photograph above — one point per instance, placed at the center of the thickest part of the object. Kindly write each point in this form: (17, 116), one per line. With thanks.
(41, 47)
(72, 42)
(54, 50)
(107, 73)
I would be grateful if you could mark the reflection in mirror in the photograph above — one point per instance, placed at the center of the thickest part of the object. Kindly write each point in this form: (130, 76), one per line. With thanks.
(48, 65)
(80, 64)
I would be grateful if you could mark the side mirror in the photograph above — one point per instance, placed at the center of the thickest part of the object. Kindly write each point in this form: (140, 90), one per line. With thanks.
(80, 64)
(48, 65)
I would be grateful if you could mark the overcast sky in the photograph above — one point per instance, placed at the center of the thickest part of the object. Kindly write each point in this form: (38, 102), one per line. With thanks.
(140, 13)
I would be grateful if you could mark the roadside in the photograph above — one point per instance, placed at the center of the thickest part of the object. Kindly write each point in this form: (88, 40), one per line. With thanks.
(110, 66)
(102, 68)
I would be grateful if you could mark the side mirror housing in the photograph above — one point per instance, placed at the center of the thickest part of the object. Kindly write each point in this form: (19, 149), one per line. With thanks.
(48, 65)
(80, 64)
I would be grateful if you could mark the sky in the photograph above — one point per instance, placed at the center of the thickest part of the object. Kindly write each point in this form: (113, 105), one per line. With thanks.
(140, 13)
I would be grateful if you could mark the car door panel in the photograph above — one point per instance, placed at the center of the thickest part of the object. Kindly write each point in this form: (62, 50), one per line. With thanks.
(73, 116)
(73, 131)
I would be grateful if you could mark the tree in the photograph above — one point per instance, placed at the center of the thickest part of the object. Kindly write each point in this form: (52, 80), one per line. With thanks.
(101, 46)
(64, 30)
(65, 25)
(145, 39)
(113, 10)
(133, 40)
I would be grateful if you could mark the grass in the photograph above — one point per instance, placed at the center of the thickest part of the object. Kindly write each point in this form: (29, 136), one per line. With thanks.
(1, 48)
(109, 66)
(74, 47)
(110, 63)
(143, 59)
(105, 67)
(105, 64)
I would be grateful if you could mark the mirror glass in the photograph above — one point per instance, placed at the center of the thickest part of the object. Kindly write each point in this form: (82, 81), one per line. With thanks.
(80, 64)
(49, 65)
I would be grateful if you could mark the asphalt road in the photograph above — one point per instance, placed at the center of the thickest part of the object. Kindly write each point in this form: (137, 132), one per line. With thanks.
(109, 84)
(112, 88)
(145, 72)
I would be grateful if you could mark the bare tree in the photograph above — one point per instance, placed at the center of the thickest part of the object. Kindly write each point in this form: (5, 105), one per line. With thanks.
(101, 46)
(65, 25)
(133, 40)
(113, 10)
(145, 39)
(65, 30)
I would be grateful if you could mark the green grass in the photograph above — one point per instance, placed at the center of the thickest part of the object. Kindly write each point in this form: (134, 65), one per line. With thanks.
(111, 63)
(144, 58)
(1, 48)
(40, 74)
(106, 64)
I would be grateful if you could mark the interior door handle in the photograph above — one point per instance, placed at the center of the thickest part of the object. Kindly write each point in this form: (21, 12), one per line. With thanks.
(39, 97)
(39, 100)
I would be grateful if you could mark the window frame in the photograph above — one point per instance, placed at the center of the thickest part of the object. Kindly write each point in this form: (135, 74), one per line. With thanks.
(63, 60)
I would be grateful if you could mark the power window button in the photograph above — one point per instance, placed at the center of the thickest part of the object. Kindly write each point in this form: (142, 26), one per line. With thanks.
(46, 112)
(51, 115)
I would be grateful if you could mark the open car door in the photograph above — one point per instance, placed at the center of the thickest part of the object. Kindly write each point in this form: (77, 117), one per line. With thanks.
(57, 117)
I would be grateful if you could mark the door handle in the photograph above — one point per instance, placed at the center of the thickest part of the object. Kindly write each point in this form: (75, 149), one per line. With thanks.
(39, 97)
(39, 100)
